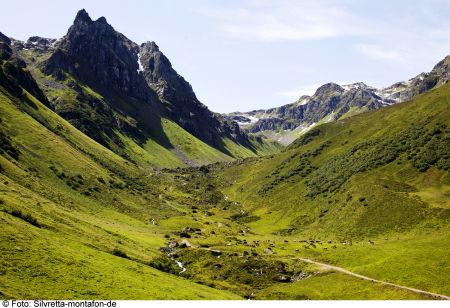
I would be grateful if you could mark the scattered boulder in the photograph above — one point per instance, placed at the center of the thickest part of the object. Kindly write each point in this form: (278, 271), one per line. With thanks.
(283, 278)
(268, 251)
(249, 296)
(185, 234)
(172, 244)
(185, 244)
(216, 253)
(168, 251)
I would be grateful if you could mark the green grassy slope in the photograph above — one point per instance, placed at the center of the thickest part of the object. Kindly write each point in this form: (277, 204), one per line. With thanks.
(369, 193)
(332, 286)
(78, 221)
(67, 204)
(382, 176)
(369, 168)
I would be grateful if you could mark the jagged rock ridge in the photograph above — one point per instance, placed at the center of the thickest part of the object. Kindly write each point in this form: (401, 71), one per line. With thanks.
(181, 101)
(332, 101)
(14, 77)
(137, 83)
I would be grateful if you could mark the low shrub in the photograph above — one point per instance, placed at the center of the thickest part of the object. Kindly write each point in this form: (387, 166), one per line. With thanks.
(25, 217)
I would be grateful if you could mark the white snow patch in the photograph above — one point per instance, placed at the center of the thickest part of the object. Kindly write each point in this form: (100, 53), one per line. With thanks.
(347, 87)
(303, 101)
(251, 118)
(55, 42)
(304, 128)
(141, 68)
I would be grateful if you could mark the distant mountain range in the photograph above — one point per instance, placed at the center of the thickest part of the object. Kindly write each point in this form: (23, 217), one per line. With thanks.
(332, 102)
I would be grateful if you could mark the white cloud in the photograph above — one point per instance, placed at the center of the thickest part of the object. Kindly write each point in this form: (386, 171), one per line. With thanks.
(285, 20)
(377, 52)
(417, 33)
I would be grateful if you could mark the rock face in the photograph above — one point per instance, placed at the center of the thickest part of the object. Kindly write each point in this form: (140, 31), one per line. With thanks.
(93, 50)
(94, 54)
(14, 76)
(36, 43)
(181, 101)
(138, 86)
(332, 101)
(329, 103)
(405, 90)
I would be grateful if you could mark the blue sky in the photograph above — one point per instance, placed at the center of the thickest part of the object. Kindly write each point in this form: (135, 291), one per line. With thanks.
(248, 54)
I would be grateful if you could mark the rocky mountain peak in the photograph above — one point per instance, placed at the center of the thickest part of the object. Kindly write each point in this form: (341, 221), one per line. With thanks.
(83, 25)
(35, 43)
(95, 54)
(442, 71)
(13, 75)
(328, 88)
(150, 46)
(84, 22)
(332, 101)
(82, 17)
(5, 39)
(95, 49)
(157, 66)
(102, 20)
(5, 48)
(184, 107)
(356, 86)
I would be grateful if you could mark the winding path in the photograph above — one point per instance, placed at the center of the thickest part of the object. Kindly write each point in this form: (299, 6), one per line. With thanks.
(343, 270)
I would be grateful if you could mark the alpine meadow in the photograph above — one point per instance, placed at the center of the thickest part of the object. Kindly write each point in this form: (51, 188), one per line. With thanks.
(117, 182)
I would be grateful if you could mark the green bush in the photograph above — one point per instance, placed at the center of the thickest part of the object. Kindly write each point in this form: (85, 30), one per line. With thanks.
(165, 264)
(7, 147)
(25, 217)
(119, 253)
(423, 148)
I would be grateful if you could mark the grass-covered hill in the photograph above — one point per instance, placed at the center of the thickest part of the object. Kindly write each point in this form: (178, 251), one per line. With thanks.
(76, 217)
(372, 173)
(380, 179)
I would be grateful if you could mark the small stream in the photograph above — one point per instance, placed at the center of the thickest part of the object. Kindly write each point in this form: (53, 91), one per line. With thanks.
(180, 265)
